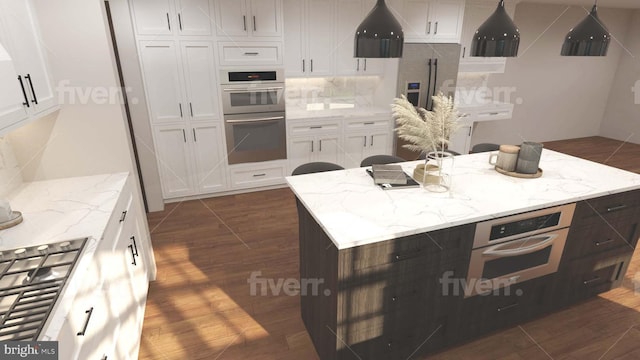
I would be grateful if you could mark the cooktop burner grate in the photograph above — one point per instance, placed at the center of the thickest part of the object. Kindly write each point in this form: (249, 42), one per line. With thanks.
(31, 280)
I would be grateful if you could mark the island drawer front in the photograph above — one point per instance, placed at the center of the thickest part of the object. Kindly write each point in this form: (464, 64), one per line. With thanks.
(602, 235)
(431, 249)
(257, 176)
(606, 207)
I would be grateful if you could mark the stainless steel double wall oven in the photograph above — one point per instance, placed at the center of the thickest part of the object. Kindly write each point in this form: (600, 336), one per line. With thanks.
(254, 115)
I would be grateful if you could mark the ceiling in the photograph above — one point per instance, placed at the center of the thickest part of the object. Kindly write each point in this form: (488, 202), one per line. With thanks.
(629, 4)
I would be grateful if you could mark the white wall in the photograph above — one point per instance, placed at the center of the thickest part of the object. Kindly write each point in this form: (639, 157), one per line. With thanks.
(85, 137)
(622, 116)
(561, 97)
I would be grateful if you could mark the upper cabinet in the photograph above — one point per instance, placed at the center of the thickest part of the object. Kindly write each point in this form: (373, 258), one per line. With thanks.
(172, 17)
(476, 13)
(26, 89)
(309, 37)
(348, 17)
(249, 18)
(430, 21)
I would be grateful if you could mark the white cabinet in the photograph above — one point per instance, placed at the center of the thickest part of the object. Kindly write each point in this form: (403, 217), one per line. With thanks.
(167, 17)
(476, 13)
(309, 37)
(460, 141)
(180, 84)
(249, 18)
(30, 93)
(348, 17)
(437, 21)
(190, 159)
(314, 140)
(366, 137)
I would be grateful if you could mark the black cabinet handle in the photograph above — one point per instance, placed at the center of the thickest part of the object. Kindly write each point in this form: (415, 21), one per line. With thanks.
(24, 92)
(244, 22)
(168, 22)
(133, 256)
(320, 141)
(464, 51)
(303, 67)
(315, 127)
(369, 123)
(436, 31)
(505, 308)
(371, 140)
(429, 28)
(608, 241)
(123, 216)
(251, 53)
(86, 322)
(259, 175)
(180, 21)
(180, 106)
(135, 246)
(311, 65)
(33, 92)
(616, 208)
(587, 282)
(195, 139)
(365, 140)
(254, 24)
(312, 145)
(191, 109)
(401, 257)
(357, 64)
(184, 136)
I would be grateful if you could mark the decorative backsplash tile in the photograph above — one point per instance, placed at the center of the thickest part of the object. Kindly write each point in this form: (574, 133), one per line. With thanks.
(10, 174)
(358, 91)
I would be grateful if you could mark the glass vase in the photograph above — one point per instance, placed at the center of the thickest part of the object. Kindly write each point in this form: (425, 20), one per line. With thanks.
(437, 171)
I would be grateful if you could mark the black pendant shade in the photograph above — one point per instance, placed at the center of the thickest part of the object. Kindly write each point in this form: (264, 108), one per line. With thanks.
(589, 38)
(379, 35)
(498, 36)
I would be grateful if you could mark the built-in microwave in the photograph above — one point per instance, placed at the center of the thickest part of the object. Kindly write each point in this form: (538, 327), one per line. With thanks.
(246, 92)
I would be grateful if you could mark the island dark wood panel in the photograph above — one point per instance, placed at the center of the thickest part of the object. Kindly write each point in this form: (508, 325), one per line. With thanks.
(387, 300)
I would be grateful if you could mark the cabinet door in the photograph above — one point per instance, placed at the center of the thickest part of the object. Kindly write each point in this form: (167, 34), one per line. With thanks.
(12, 108)
(173, 161)
(160, 70)
(379, 143)
(300, 151)
(154, 17)
(232, 18)
(209, 158)
(265, 18)
(320, 43)
(446, 20)
(201, 86)
(101, 329)
(27, 54)
(328, 149)
(355, 149)
(194, 17)
(294, 54)
(348, 17)
(414, 20)
(460, 141)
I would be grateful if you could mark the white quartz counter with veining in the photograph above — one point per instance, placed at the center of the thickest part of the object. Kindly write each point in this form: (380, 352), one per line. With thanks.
(353, 211)
(64, 209)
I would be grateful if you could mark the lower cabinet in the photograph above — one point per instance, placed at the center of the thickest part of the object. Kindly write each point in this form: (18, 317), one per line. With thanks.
(191, 159)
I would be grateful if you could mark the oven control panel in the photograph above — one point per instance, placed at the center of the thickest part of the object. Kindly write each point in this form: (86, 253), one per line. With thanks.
(524, 226)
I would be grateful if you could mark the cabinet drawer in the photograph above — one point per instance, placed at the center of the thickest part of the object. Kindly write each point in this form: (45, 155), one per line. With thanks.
(432, 249)
(606, 207)
(601, 235)
(263, 53)
(313, 128)
(257, 176)
(364, 124)
(494, 114)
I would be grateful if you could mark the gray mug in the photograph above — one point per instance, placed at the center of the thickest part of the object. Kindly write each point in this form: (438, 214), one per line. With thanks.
(529, 157)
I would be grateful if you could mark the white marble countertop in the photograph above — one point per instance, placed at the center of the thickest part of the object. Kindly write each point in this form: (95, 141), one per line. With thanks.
(353, 211)
(299, 113)
(64, 209)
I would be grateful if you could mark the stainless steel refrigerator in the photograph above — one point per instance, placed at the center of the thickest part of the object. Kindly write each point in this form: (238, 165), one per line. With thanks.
(424, 70)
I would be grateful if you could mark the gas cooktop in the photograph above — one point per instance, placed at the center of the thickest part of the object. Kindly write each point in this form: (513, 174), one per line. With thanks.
(31, 280)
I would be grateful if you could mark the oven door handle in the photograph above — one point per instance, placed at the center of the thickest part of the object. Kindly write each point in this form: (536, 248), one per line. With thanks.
(255, 120)
(252, 90)
(542, 243)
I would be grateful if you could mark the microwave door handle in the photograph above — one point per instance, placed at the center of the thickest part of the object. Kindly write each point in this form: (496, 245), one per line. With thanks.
(274, 118)
(253, 89)
(495, 250)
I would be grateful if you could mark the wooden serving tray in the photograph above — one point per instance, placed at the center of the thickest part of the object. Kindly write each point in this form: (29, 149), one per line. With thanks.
(520, 175)
(16, 218)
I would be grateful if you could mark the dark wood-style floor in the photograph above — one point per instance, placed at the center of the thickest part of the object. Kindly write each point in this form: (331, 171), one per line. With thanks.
(200, 307)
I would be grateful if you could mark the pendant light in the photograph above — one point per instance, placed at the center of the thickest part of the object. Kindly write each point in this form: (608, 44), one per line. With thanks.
(498, 36)
(379, 35)
(589, 38)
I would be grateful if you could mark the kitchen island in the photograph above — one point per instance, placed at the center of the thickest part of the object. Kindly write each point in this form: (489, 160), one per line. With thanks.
(382, 255)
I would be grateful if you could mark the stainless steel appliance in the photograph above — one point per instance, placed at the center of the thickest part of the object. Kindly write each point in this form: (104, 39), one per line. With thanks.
(517, 248)
(254, 114)
(425, 69)
(31, 280)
